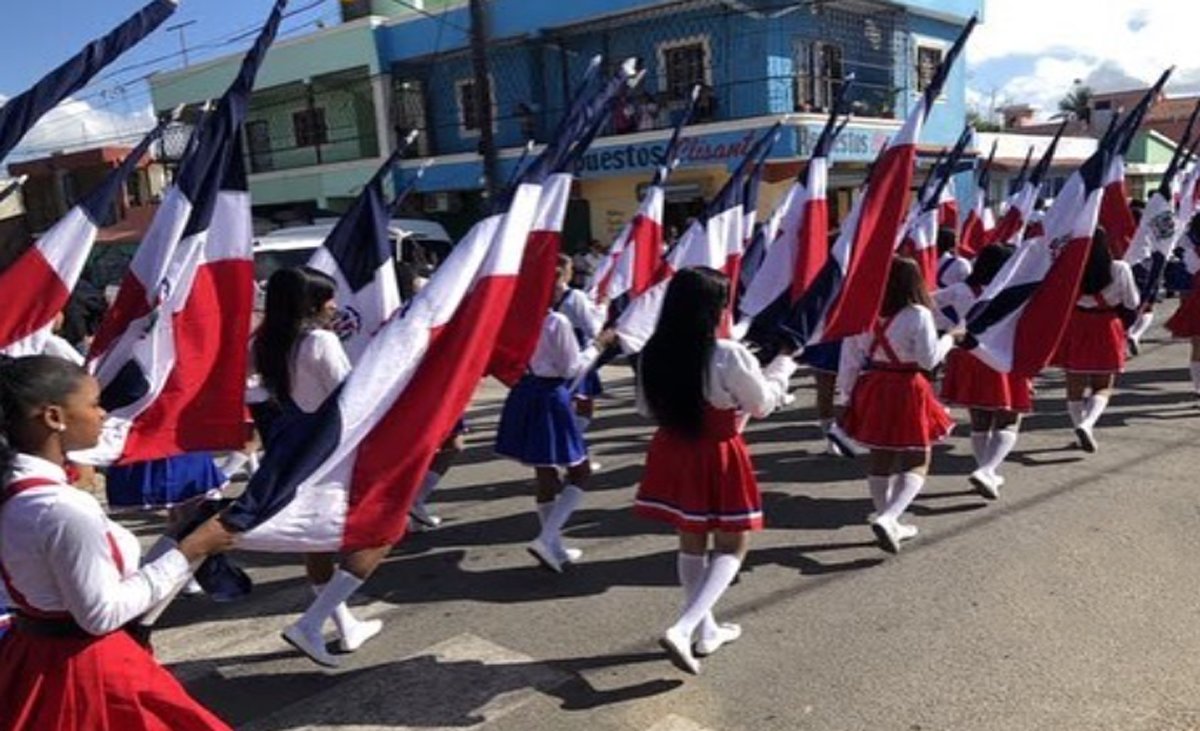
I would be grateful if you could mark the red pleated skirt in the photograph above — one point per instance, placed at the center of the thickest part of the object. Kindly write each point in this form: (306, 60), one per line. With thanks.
(971, 383)
(701, 484)
(1185, 323)
(897, 410)
(108, 683)
(1093, 343)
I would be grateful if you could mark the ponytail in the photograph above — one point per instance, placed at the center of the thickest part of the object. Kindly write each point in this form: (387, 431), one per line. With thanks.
(27, 384)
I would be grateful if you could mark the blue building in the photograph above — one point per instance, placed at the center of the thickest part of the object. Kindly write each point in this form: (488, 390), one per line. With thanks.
(756, 60)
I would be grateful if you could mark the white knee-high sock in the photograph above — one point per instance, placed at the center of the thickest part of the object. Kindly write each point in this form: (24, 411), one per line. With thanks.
(566, 503)
(691, 573)
(880, 486)
(1075, 409)
(333, 594)
(1142, 325)
(979, 444)
(427, 487)
(908, 486)
(722, 570)
(1195, 368)
(999, 446)
(1093, 407)
(342, 618)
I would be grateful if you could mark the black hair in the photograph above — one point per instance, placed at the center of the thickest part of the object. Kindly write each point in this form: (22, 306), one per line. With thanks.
(295, 297)
(947, 240)
(1098, 273)
(25, 385)
(674, 362)
(988, 264)
(1193, 229)
(905, 286)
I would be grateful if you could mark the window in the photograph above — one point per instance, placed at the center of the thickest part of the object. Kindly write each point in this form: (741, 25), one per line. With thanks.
(408, 113)
(929, 59)
(258, 142)
(684, 66)
(820, 71)
(468, 109)
(309, 127)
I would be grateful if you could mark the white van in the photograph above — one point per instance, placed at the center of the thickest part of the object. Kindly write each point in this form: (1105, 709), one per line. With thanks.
(415, 241)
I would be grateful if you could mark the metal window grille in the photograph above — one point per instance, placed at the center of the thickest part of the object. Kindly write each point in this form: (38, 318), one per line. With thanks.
(309, 127)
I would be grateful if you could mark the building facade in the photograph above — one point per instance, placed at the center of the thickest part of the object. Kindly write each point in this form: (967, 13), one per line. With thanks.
(330, 106)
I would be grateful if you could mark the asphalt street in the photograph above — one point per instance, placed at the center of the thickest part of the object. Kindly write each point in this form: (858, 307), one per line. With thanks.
(1070, 603)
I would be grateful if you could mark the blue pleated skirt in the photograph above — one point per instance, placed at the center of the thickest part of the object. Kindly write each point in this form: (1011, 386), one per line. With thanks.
(162, 483)
(537, 426)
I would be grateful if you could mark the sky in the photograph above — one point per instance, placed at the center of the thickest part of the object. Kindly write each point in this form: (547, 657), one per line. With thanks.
(1026, 51)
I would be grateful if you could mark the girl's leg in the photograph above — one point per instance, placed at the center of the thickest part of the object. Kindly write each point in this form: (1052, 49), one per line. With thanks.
(305, 633)
(912, 465)
(556, 511)
(1077, 384)
(585, 411)
(442, 461)
(1006, 426)
(1194, 365)
(1101, 385)
(880, 468)
(729, 552)
(983, 433)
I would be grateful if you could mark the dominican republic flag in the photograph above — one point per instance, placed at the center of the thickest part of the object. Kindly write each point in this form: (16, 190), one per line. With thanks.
(1019, 320)
(521, 328)
(845, 298)
(802, 247)
(1189, 192)
(358, 255)
(974, 235)
(1159, 228)
(1012, 228)
(38, 284)
(756, 239)
(1115, 214)
(636, 257)
(345, 477)
(920, 236)
(22, 112)
(171, 353)
(716, 241)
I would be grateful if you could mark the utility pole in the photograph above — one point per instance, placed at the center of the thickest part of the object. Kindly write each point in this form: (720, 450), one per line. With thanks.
(182, 38)
(480, 33)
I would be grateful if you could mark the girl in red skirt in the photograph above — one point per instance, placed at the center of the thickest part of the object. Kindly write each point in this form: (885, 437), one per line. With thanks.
(1092, 351)
(995, 400)
(73, 575)
(893, 410)
(698, 473)
(1185, 323)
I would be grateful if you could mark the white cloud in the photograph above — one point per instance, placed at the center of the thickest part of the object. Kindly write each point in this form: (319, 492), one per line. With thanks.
(1114, 45)
(75, 125)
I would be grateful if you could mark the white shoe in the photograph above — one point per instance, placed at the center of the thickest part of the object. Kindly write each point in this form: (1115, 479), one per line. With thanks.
(906, 532)
(679, 648)
(985, 484)
(726, 633)
(887, 531)
(311, 645)
(595, 466)
(1086, 439)
(844, 442)
(545, 555)
(833, 449)
(359, 633)
(569, 555)
(422, 519)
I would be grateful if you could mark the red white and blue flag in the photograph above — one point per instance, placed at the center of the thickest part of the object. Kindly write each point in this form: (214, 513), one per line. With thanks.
(22, 112)
(1115, 215)
(171, 353)
(716, 241)
(919, 240)
(518, 334)
(845, 298)
(974, 235)
(802, 248)
(345, 477)
(39, 283)
(358, 255)
(1017, 208)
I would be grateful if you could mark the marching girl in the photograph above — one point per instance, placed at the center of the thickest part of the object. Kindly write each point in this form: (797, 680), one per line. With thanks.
(892, 407)
(538, 429)
(698, 476)
(301, 362)
(951, 268)
(586, 321)
(74, 575)
(1185, 323)
(1092, 351)
(995, 400)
